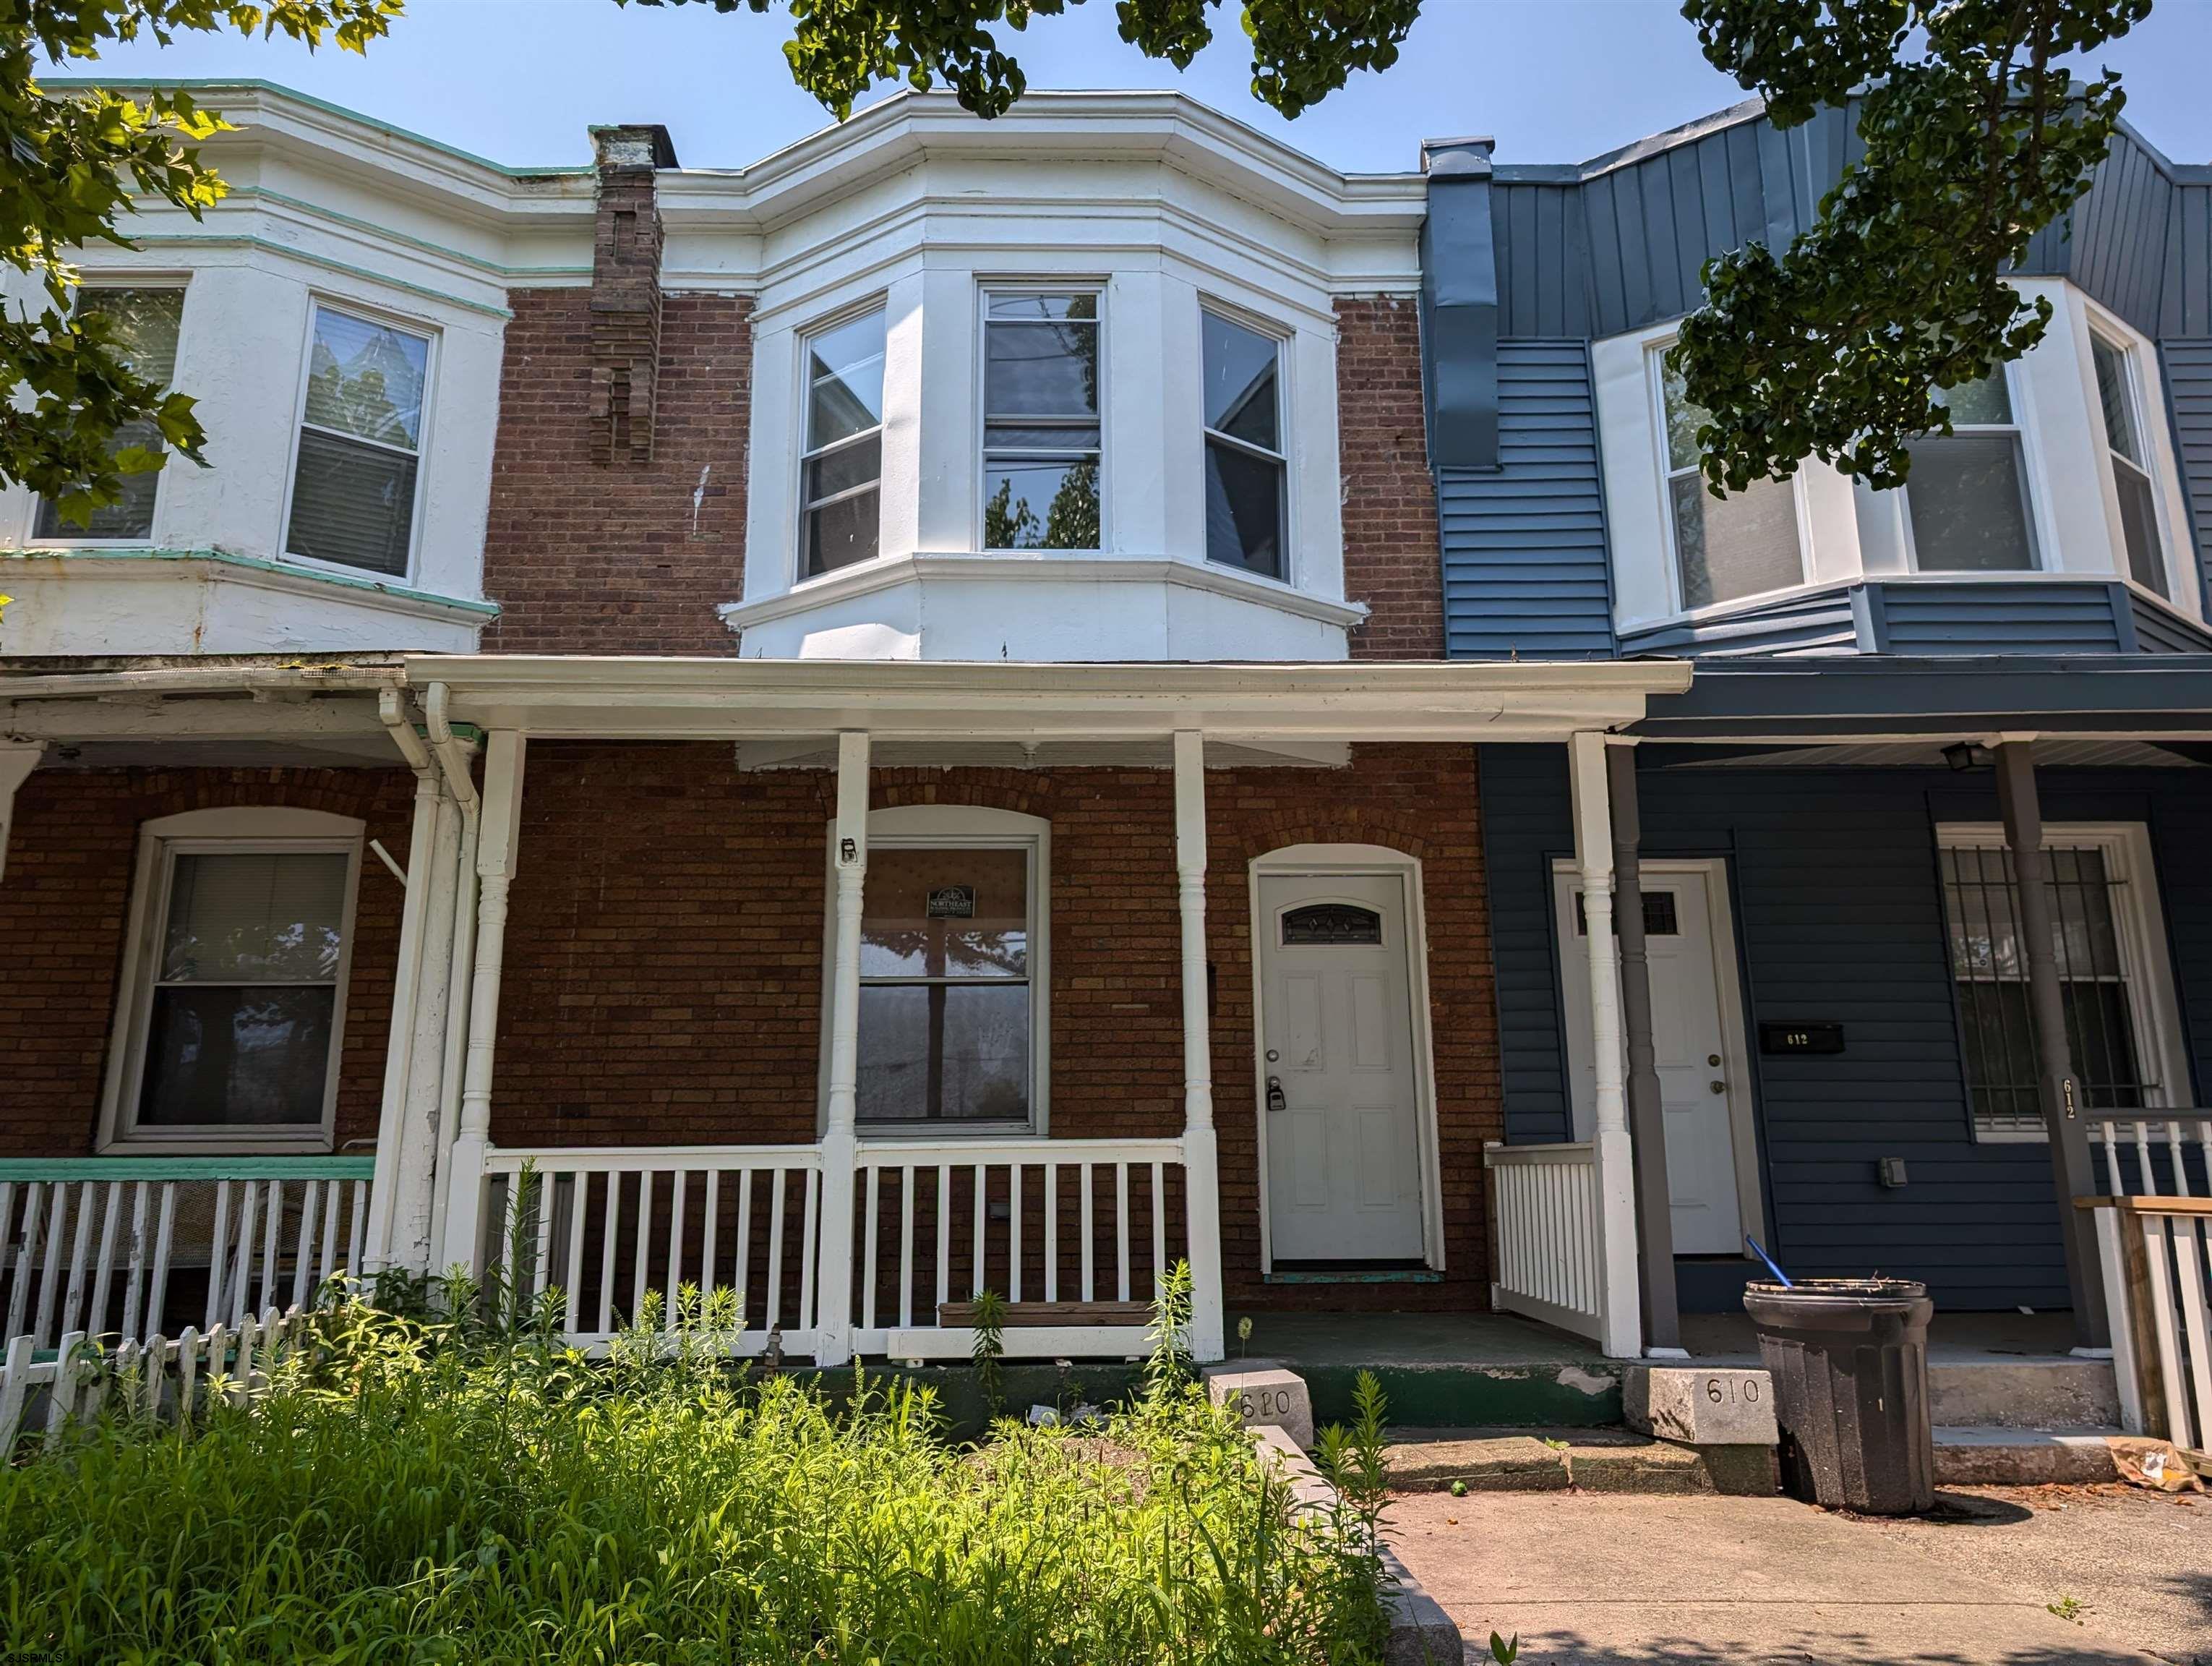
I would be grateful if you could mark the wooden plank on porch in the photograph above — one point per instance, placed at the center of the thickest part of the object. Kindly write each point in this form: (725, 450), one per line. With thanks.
(961, 1316)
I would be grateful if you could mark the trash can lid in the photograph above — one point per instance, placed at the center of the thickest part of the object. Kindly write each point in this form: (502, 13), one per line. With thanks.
(1875, 1289)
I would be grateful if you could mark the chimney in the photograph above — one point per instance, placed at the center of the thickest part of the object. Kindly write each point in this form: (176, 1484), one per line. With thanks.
(626, 242)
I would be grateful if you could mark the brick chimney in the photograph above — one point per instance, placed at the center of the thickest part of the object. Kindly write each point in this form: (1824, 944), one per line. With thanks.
(626, 243)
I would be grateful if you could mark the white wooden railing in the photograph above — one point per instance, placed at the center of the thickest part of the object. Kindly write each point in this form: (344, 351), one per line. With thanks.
(2158, 1296)
(611, 1223)
(160, 1379)
(1547, 1259)
(2152, 1153)
(118, 1245)
(1072, 1235)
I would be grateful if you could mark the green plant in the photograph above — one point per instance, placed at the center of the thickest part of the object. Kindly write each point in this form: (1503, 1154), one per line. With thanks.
(2068, 1607)
(990, 1347)
(1459, 1489)
(1167, 1367)
(1502, 1652)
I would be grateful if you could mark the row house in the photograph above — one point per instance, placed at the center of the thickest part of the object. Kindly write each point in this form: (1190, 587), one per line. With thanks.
(877, 722)
(1915, 922)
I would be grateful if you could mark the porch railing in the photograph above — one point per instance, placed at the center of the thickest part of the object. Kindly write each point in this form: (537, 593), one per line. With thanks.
(2152, 1153)
(1547, 1258)
(2158, 1294)
(612, 1223)
(126, 1245)
(1072, 1235)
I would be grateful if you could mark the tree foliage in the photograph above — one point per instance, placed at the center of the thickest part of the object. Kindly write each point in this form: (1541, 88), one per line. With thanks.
(1975, 138)
(1301, 50)
(72, 162)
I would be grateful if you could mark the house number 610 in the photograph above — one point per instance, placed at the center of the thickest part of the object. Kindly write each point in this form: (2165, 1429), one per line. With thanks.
(1720, 1389)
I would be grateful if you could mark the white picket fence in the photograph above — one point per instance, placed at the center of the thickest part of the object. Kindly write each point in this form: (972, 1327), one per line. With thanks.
(1547, 1259)
(1072, 1234)
(159, 1378)
(113, 1245)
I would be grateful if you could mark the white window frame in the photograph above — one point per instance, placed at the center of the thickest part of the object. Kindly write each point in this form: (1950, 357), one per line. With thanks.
(180, 282)
(2146, 962)
(221, 832)
(986, 289)
(2022, 430)
(850, 313)
(1285, 408)
(1655, 376)
(953, 826)
(425, 439)
(2106, 332)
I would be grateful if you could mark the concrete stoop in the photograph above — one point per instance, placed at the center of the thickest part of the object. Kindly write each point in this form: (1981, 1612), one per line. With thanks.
(1554, 1459)
(1992, 1456)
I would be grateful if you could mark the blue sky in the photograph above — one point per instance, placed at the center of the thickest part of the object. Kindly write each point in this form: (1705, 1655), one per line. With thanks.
(520, 81)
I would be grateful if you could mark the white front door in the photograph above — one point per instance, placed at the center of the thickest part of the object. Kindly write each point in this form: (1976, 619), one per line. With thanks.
(1342, 1099)
(1696, 1086)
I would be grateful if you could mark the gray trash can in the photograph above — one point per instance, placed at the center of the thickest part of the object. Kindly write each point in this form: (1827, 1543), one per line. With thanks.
(1849, 1357)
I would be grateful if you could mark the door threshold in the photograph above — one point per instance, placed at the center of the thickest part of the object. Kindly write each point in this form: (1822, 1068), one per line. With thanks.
(1355, 1275)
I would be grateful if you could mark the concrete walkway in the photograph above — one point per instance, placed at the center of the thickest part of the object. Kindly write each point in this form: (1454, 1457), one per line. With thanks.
(1596, 1579)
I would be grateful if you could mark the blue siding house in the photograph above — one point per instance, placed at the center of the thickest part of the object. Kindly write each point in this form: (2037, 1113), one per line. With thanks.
(1904, 703)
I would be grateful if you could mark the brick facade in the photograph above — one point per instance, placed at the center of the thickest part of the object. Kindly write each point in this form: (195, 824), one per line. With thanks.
(1392, 553)
(64, 912)
(665, 956)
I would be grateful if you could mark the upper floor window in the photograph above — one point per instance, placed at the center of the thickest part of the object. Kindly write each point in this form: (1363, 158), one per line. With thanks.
(1966, 499)
(842, 465)
(356, 471)
(1041, 421)
(144, 324)
(1725, 548)
(1245, 470)
(234, 993)
(2119, 397)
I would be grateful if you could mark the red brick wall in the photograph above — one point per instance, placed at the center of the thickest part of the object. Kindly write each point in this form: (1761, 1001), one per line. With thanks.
(628, 556)
(1391, 554)
(663, 959)
(65, 909)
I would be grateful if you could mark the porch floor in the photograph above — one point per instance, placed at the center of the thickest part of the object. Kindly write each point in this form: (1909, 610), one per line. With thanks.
(1954, 1338)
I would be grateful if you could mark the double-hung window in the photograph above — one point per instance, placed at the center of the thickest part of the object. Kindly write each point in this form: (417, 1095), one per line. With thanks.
(1245, 469)
(1725, 548)
(1040, 420)
(360, 445)
(234, 993)
(2117, 996)
(841, 471)
(1966, 498)
(143, 325)
(952, 968)
(2119, 397)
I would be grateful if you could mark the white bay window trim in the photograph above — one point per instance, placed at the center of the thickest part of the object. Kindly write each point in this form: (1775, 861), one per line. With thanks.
(2091, 325)
(239, 831)
(938, 827)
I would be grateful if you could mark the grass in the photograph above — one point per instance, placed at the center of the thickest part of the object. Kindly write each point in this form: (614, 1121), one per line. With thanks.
(413, 1494)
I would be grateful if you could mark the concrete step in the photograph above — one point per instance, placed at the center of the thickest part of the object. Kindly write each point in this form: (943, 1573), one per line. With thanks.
(2025, 1392)
(1552, 1460)
(1992, 1456)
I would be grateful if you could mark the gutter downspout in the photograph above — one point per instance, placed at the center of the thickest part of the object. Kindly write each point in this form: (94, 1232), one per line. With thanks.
(398, 1058)
(452, 755)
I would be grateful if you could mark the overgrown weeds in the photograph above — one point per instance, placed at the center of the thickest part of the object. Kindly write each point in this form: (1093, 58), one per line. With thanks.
(461, 1488)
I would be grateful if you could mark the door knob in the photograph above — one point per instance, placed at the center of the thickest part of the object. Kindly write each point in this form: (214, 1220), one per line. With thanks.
(1272, 1055)
(1712, 1058)
(1720, 1087)
(1276, 1099)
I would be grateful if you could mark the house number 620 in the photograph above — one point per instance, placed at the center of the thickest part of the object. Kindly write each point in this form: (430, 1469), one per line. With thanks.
(1263, 1406)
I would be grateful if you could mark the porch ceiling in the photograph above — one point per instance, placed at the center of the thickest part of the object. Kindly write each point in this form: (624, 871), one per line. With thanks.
(761, 700)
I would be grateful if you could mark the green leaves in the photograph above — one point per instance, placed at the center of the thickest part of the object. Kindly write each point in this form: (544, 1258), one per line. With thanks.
(1974, 140)
(1301, 50)
(69, 169)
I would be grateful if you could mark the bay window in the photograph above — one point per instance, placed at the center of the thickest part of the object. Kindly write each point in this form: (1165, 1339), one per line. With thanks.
(1245, 465)
(2120, 406)
(1966, 498)
(143, 324)
(1725, 548)
(842, 463)
(358, 453)
(1041, 415)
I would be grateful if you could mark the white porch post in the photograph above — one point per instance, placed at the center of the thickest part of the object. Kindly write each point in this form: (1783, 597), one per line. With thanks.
(411, 1230)
(1201, 1164)
(833, 1303)
(499, 827)
(400, 1059)
(17, 760)
(1620, 1320)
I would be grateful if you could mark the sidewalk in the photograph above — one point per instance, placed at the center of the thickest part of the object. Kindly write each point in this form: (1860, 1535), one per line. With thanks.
(1590, 1579)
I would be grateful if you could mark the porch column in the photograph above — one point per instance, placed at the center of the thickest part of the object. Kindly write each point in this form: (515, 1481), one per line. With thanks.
(1647, 1117)
(17, 760)
(833, 1301)
(2061, 1090)
(400, 1058)
(499, 826)
(436, 993)
(1612, 1150)
(1202, 1164)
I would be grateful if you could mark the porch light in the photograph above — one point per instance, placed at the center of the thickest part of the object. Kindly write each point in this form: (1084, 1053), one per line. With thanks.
(1965, 755)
